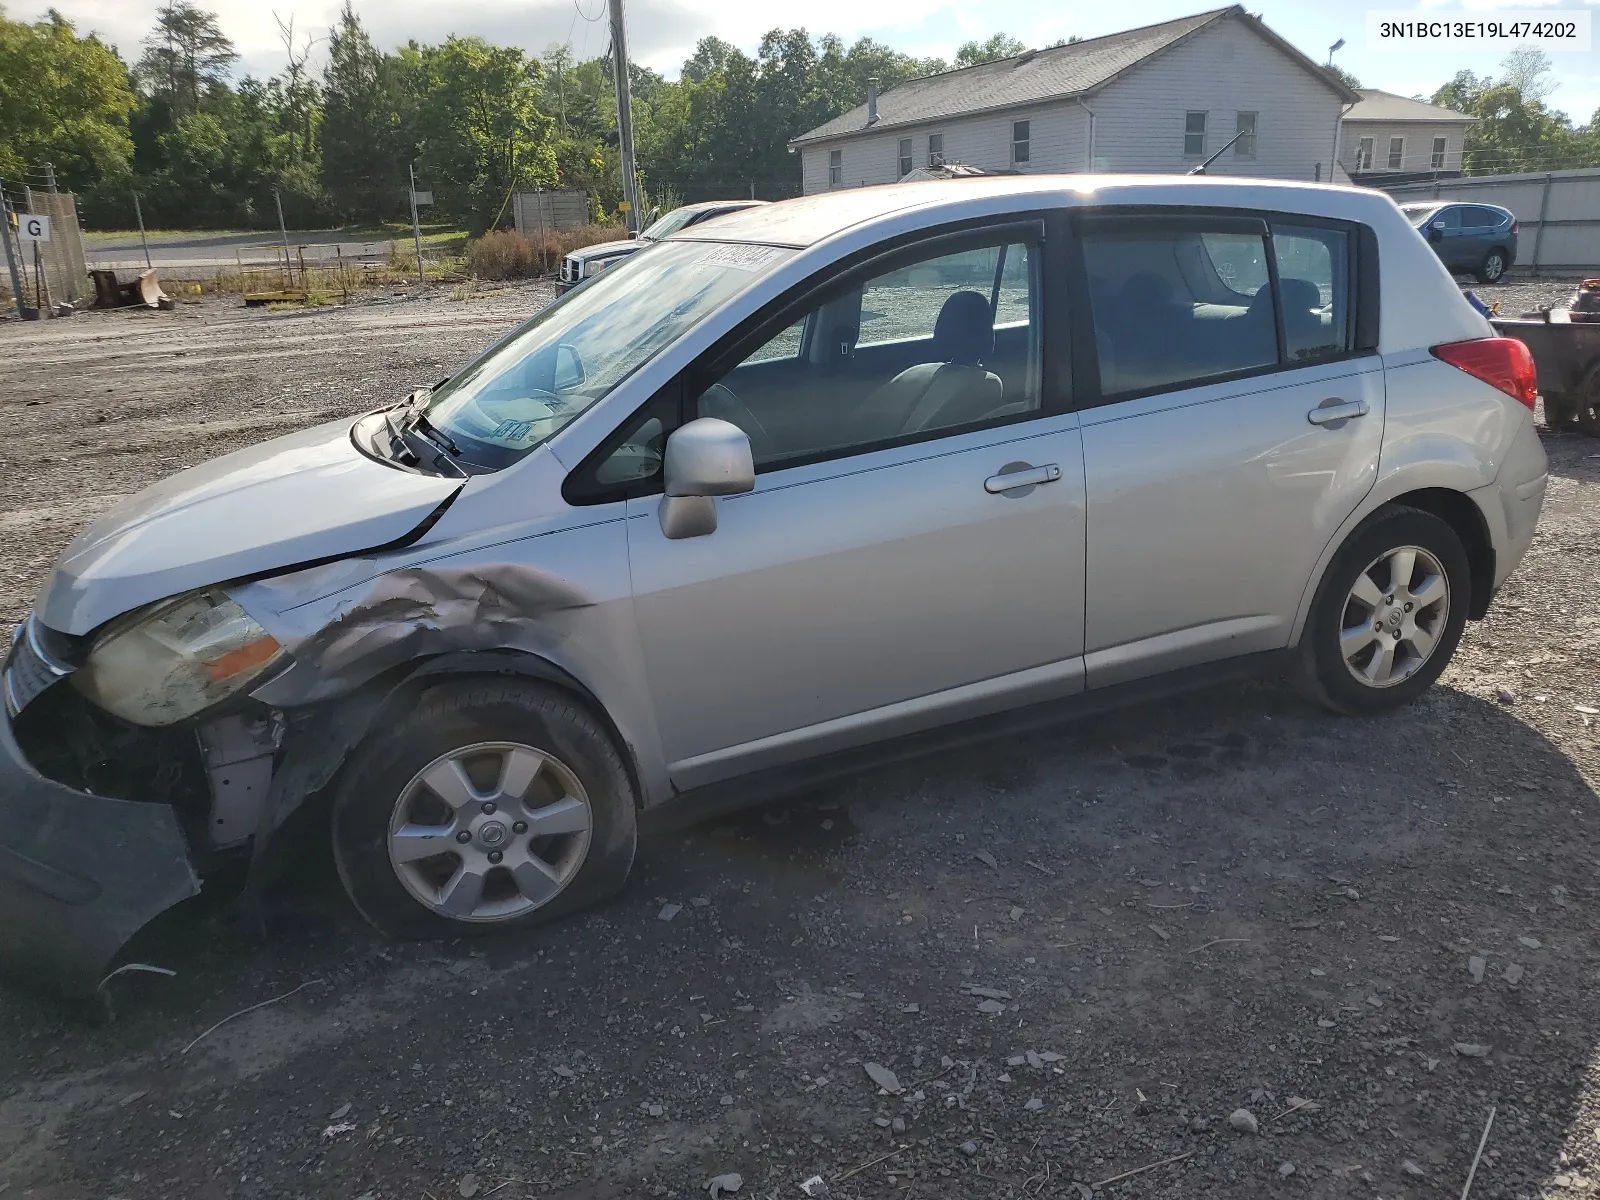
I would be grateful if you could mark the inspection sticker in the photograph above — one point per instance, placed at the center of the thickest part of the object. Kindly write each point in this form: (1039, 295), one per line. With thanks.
(741, 258)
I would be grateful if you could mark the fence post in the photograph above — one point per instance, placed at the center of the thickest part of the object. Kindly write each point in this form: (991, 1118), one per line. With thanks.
(1544, 208)
(139, 213)
(416, 224)
(23, 311)
(288, 265)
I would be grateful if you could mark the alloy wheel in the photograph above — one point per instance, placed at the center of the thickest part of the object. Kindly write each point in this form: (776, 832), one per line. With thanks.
(490, 831)
(1394, 616)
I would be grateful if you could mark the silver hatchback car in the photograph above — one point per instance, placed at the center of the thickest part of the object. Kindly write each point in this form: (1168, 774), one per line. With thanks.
(818, 479)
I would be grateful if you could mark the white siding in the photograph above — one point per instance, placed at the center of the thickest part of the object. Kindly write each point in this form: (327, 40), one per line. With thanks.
(1419, 137)
(1223, 70)
(1057, 141)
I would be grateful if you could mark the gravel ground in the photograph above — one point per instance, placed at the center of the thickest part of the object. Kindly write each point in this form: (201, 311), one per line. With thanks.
(1075, 954)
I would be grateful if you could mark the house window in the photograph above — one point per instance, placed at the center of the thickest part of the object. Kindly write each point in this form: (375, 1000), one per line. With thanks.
(1364, 155)
(835, 168)
(1019, 141)
(1194, 135)
(936, 149)
(905, 157)
(1397, 152)
(1244, 125)
(1438, 154)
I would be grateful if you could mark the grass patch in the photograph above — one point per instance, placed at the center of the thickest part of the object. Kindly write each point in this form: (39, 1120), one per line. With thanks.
(506, 254)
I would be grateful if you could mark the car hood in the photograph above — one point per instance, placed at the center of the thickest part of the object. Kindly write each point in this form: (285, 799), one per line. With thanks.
(297, 499)
(608, 249)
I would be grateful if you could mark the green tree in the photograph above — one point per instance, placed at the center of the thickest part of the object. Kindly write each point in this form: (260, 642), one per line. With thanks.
(185, 56)
(998, 46)
(1343, 76)
(64, 99)
(480, 123)
(1462, 92)
(368, 116)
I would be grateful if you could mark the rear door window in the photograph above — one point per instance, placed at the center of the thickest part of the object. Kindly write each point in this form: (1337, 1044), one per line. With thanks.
(1175, 308)
(1181, 306)
(1475, 216)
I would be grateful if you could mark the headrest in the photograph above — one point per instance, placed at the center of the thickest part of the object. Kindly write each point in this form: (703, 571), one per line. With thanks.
(964, 332)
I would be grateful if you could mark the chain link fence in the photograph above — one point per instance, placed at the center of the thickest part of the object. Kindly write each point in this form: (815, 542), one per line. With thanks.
(51, 272)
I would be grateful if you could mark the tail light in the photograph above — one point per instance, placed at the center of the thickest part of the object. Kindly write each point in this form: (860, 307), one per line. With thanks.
(1516, 225)
(1501, 362)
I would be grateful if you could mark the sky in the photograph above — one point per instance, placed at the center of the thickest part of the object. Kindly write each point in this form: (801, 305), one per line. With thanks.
(662, 33)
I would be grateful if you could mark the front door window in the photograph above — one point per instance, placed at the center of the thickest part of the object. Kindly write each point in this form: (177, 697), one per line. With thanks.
(943, 342)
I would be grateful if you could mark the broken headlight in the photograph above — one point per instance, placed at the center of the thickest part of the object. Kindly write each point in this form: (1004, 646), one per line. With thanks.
(167, 662)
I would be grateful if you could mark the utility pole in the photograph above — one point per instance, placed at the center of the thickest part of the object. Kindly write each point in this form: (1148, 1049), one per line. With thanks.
(630, 174)
(139, 213)
(416, 225)
(23, 310)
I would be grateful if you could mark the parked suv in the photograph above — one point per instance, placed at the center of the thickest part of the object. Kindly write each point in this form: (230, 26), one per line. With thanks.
(816, 477)
(591, 260)
(1477, 238)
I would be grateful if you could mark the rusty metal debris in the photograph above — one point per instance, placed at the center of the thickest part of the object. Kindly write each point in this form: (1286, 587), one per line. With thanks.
(110, 292)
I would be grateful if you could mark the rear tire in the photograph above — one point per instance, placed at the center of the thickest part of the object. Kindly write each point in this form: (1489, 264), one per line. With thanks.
(1587, 408)
(1388, 614)
(1559, 411)
(1493, 267)
(493, 804)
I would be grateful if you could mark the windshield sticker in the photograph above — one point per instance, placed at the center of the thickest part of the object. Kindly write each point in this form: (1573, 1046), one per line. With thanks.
(741, 258)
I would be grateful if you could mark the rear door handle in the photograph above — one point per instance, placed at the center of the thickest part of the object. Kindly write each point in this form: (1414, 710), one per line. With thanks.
(1334, 409)
(1020, 475)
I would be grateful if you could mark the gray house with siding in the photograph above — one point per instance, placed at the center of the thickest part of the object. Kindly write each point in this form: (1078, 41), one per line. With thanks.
(1389, 139)
(1161, 98)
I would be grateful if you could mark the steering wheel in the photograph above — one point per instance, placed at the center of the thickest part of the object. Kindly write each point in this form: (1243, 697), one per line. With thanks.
(718, 401)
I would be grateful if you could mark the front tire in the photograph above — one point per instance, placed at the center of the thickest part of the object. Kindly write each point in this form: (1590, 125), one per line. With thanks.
(1493, 266)
(1388, 614)
(493, 804)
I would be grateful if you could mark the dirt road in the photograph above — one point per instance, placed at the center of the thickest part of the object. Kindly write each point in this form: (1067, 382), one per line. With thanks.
(1077, 953)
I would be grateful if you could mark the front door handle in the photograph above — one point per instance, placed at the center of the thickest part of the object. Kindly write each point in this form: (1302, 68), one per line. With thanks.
(1334, 410)
(1020, 475)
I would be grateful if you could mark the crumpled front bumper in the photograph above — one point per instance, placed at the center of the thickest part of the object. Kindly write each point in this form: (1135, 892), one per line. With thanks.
(79, 875)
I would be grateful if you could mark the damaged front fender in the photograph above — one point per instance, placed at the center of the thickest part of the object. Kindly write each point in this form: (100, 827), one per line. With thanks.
(79, 875)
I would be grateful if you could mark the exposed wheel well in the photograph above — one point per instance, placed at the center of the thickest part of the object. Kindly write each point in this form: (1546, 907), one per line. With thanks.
(502, 663)
(1462, 515)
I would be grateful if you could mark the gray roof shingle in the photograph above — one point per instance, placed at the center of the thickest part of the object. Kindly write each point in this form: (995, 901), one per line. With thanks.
(1036, 75)
(1386, 106)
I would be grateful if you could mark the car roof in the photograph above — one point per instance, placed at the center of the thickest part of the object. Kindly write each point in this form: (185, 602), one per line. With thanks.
(808, 220)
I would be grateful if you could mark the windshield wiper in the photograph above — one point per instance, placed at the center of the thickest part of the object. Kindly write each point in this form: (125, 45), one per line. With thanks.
(412, 420)
(434, 434)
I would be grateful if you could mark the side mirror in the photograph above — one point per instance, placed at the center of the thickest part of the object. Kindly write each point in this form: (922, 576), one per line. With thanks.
(705, 458)
(569, 368)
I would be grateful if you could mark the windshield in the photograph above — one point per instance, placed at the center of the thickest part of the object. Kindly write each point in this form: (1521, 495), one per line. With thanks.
(543, 375)
(671, 223)
(1418, 214)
